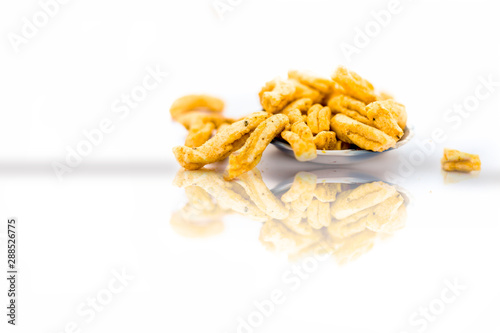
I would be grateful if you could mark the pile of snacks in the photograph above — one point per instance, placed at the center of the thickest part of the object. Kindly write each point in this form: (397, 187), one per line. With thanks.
(344, 220)
(309, 112)
(454, 160)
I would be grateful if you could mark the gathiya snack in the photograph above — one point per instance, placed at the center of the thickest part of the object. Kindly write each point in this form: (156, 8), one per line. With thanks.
(454, 160)
(308, 111)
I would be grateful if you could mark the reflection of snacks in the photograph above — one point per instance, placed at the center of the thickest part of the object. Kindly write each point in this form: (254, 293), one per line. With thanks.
(220, 146)
(249, 155)
(342, 219)
(192, 102)
(454, 160)
(363, 136)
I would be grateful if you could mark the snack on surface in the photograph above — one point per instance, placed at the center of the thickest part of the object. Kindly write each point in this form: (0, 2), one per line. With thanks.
(354, 85)
(350, 107)
(362, 119)
(276, 94)
(301, 140)
(454, 160)
(323, 85)
(318, 118)
(219, 146)
(192, 102)
(363, 136)
(326, 140)
(248, 156)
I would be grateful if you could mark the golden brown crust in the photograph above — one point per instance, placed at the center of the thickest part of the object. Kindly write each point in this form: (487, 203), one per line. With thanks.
(301, 140)
(455, 160)
(363, 136)
(350, 107)
(323, 85)
(326, 140)
(354, 85)
(318, 118)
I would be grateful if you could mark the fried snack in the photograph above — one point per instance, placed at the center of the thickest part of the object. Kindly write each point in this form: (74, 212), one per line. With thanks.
(363, 136)
(303, 91)
(326, 140)
(327, 192)
(248, 156)
(382, 217)
(323, 85)
(222, 191)
(199, 199)
(301, 140)
(294, 115)
(318, 118)
(199, 133)
(191, 118)
(276, 94)
(318, 214)
(219, 146)
(362, 197)
(350, 107)
(261, 196)
(454, 160)
(354, 85)
(384, 116)
(302, 105)
(189, 103)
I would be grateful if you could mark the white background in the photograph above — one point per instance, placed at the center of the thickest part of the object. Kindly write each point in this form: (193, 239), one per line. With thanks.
(113, 211)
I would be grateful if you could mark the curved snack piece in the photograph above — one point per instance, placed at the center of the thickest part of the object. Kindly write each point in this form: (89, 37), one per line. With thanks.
(323, 85)
(194, 117)
(318, 118)
(189, 103)
(301, 140)
(199, 133)
(364, 196)
(363, 136)
(326, 140)
(294, 115)
(276, 94)
(303, 91)
(384, 117)
(350, 107)
(220, 145)
(354, 85)
(248, 156)
(454, 160)
(302, 105)
(260, 194)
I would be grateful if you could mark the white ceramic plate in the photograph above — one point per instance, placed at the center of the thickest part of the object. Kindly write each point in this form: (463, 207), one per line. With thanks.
(346, 156)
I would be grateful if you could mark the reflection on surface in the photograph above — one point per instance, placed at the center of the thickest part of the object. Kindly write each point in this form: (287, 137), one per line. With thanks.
(308, 216)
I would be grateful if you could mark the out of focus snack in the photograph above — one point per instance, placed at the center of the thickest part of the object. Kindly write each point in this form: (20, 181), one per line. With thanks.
(454, 160)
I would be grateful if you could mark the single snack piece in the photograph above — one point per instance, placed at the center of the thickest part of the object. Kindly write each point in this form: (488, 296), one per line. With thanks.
(294, 115)
(397, 111)
(363, 136)
(301, 140)
(383, 119)
(350, 107)
(276, 94)
(199, 133)
(326, 140)
(192, 102)
(354, 85)
(321, 84)
(302, 104)
(194, 117)
(454, 160)
(318, 118)
(219, 146)
(303, 91)
(248, 156)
